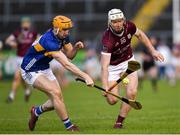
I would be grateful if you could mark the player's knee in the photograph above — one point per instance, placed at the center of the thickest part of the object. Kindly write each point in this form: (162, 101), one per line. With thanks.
(16, 78)
(55, 93)
(132, 94)
(112, 101)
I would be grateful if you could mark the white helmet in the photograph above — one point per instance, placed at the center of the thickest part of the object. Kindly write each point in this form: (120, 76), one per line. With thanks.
(114, 14)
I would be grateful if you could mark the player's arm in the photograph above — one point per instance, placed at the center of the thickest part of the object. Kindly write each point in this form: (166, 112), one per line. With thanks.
(60, 57)
(145, 40)
(105, 60)
(71, 51)
(11, 41)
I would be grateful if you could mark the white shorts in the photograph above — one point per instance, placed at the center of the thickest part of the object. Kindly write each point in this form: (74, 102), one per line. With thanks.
(55, 64)
(116, 70)
(19, 62)
(30, 77)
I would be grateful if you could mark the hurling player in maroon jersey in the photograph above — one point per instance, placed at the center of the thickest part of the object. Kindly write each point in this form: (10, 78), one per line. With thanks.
(115, 55)
(21, 40)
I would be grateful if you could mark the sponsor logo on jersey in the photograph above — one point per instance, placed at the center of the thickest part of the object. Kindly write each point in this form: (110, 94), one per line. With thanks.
(123, 40)
(129, 36)
(30, 64)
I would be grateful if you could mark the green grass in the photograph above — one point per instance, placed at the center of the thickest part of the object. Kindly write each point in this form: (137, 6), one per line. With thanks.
(89, 110)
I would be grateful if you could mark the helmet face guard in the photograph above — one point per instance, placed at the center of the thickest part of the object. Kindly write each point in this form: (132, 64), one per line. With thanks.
(114, 14)
(61, 23)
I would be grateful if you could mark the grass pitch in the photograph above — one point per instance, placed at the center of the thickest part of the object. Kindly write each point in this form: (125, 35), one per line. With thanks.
(89, 110)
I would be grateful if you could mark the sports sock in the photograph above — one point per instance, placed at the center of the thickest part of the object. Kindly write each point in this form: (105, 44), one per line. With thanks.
(27, 92)
(120, 119)
(12, 95)
(38, 110)
(67, 123)
(154, 83)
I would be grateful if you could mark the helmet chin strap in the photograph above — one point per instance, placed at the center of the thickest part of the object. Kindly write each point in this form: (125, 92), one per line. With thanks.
(56, 31)
(117, 33)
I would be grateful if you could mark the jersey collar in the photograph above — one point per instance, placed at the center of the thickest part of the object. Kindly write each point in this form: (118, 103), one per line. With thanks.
(117, 34)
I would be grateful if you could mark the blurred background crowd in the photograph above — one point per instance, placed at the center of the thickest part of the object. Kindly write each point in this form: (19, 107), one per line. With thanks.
(160, 20)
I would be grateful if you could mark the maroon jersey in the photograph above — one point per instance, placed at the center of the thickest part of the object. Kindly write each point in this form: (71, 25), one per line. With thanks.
(24, 40)
(119, 46)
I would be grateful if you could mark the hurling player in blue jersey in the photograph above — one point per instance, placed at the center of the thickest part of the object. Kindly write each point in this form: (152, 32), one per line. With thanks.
(36, 72)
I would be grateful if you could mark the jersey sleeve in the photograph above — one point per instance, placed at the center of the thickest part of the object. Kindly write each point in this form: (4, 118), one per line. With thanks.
(106, 43)
(132, 27)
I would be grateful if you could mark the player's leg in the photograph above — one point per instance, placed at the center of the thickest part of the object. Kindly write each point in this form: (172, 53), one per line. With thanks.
(59, 72)
(54, 92)
(171, 75)
(142, 74)
(27, 90)
(152, 73)
(16, 82)
(48, 105)
(42, 83)
(114, 74)
(36, 111)
(111, 99)
(131, 91)
(45, 81)
(60, 75)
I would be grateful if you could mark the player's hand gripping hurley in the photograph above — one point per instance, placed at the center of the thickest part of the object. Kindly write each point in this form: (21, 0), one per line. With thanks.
(132, 66)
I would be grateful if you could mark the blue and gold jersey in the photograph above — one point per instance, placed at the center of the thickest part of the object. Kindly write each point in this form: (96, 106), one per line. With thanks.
(39, 54)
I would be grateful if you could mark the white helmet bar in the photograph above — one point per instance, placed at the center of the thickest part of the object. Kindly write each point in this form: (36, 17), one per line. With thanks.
(114, 14)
